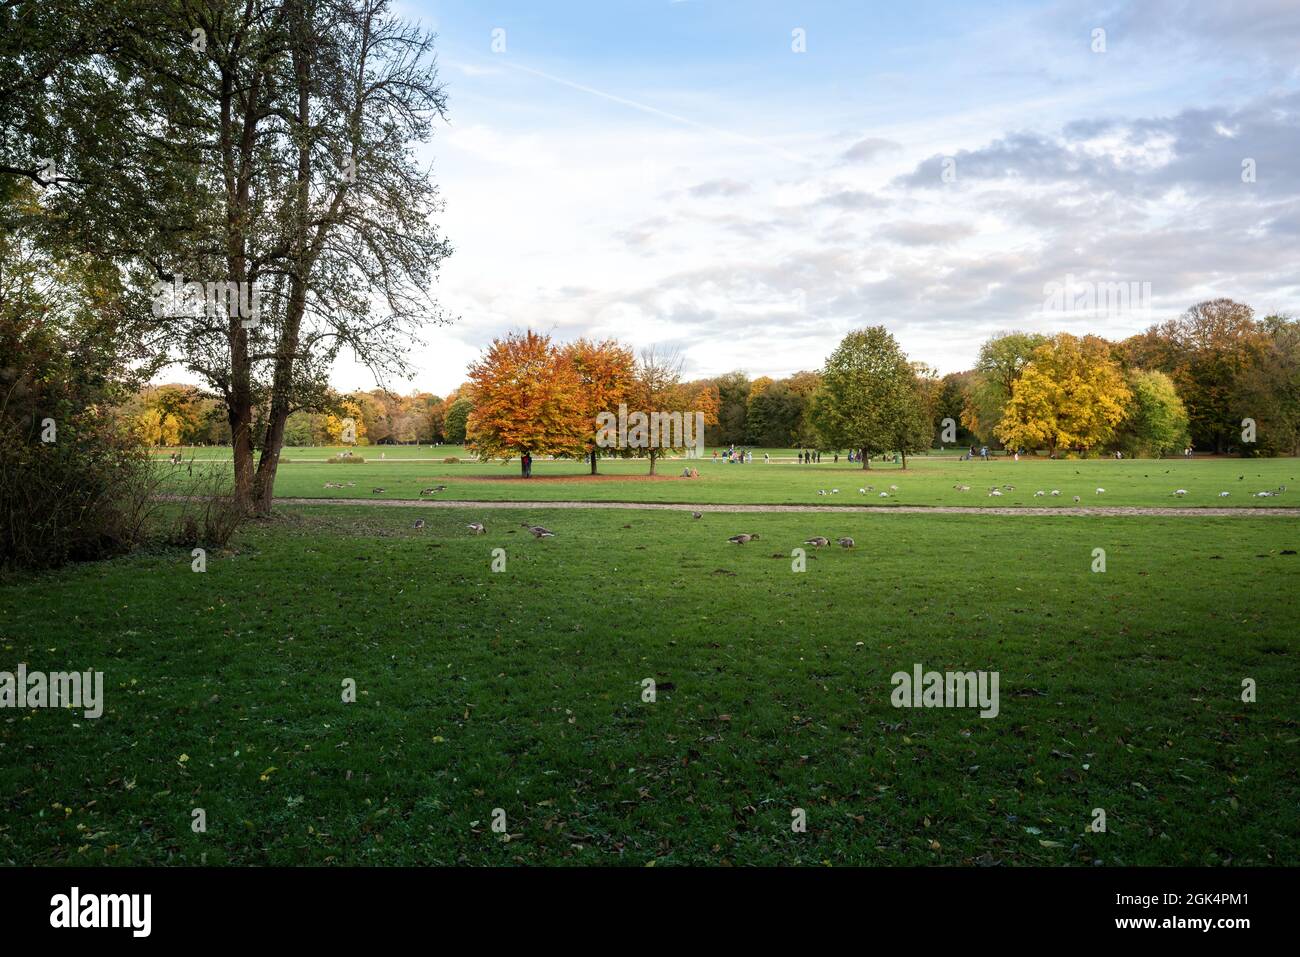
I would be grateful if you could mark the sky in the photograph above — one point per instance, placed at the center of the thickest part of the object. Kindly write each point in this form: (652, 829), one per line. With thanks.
(746, 182)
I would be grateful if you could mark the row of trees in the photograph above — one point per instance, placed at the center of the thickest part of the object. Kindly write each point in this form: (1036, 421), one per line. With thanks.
(1215, 378)
(178, 414)
(529, 395)
(1193, 380)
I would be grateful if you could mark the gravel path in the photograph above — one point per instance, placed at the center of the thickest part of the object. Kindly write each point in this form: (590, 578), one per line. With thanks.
(1116, 511)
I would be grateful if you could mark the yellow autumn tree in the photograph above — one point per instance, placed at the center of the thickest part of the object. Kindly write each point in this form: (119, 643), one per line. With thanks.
(337, 425)
(157, 428)
(1072, 394)
(527, 397)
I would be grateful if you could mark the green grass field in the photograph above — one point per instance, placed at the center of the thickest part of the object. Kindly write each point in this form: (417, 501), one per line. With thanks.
(521, 690)
(928, 480)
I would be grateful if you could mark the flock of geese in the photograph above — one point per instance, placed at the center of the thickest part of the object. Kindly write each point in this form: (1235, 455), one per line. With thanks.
(478, 528)
(817, 541)
(997, 491)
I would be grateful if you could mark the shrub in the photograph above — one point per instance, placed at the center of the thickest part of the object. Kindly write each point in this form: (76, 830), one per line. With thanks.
(346, 459)
(84, 496)
(451, 460)
(210, 514)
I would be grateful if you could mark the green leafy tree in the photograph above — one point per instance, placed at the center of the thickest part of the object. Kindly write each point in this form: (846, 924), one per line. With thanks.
(733, 398)
(1156, 423)
(455, 419)
(870, 399)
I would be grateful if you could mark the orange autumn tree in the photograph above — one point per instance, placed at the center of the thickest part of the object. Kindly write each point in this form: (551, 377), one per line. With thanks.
(704, 397)
(607, 371)
(527, 398)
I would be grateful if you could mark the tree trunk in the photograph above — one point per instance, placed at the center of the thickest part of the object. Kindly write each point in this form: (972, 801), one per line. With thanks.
(652, 462)
(904, 455)
(239, 412)
(866, 460)
(593, 461)
(303, 259)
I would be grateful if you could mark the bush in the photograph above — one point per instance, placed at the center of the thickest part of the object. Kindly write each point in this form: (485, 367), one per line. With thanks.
(86, 495)
(210, 514)
(74, 483)
(346, 459)
(451, 460)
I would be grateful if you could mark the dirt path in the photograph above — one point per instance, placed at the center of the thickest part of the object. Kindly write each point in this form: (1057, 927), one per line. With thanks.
(1116, 511)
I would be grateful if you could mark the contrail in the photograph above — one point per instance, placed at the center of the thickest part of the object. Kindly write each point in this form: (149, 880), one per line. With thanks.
(655, 111)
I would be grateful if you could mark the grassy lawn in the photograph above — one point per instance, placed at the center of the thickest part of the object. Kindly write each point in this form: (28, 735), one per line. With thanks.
(927, 480)
(520, 690)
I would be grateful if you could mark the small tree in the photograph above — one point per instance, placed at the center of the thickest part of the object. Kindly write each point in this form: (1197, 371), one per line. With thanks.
(658, 390)
(607, 372)
(1157, 421)
(456, 419)
(869, 399)
(527, 399)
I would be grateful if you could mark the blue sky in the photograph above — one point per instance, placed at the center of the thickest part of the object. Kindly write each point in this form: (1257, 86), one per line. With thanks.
(675, 173)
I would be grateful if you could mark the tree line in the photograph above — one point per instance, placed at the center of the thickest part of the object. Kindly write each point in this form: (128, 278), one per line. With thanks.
(1215, 379)
(1191, 381)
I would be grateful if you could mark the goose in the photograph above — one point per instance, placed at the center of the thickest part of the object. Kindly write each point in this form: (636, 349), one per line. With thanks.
(1180, 492)
(1076, 500)
(697, 514)
(1056, 491)
(821, 491)
(862, 491)
(539, 531)
(352, 485)
(835, 491)
(996, 491)
(884, 495)
(1039, 494)
(476, 527)
(893, 488)
(376, 491)
(1009, 488)
(1224, 494)
(1100, 490)
(962, 488)
(817, 541)
(1265, 494)
(846, 542)
(741, 539)
(430, 491)
(419, 523)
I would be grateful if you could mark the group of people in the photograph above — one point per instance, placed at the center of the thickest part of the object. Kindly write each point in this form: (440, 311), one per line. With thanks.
(733, 454)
